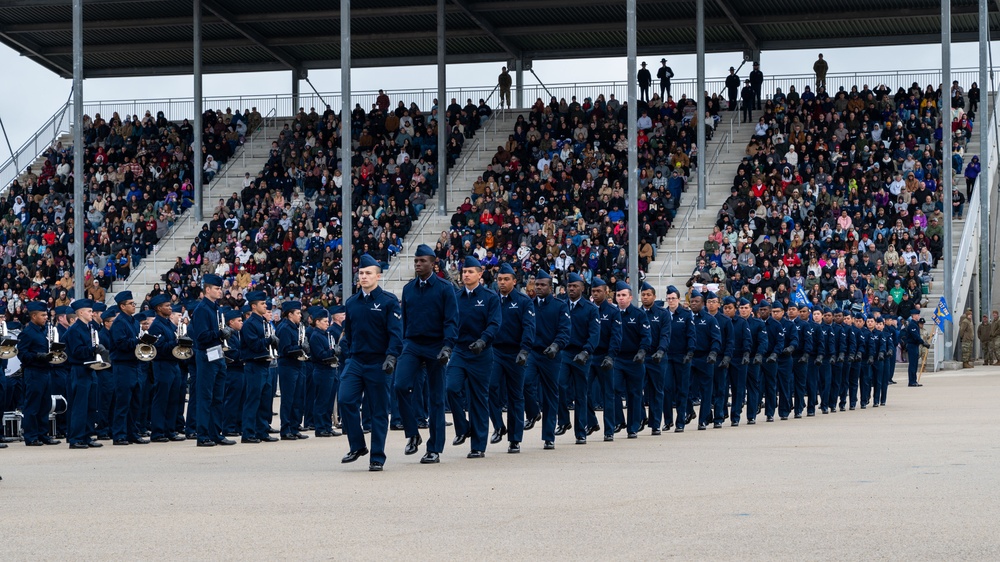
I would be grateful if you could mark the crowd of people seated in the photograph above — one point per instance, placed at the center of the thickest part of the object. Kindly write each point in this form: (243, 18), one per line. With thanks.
(139, 179)
(839, 198)
(284, 228)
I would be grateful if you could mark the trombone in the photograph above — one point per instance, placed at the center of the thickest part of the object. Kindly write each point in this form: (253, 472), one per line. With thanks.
(8, 342)
(145, 351)
(185, 345)
(56, 348)
(101, 360)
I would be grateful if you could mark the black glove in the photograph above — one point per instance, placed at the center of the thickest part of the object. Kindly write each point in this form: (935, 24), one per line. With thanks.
(725, 363)
(712, 357)
(551, 351)
(306, 348)
(819, 359)
(871, 360)
(640, 356)
(389, 365)
(772, 358)
(148, 338)
(335, 350)
(273, 340)
(477, 347)
(102, 350)
(688, 357)
(522, 358)
(44, 357)
(788, 350)
(658, 356)
(746, 358)
(581, 358)
(803, 359)
(444, 355)
(881, 355)
(607, 364)
(840, 358)
(226, 332)
(758, 359)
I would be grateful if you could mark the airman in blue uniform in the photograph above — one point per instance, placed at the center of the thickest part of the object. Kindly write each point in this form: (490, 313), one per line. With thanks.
(510, 354)
(257, 353)
(800, 359)
(585, 334)
(654, 369)
(850, 347)
(706, 353)
(166, 372)
(208, 331)
(786, 369)
(125, 368)
(761, 345)
(629, 364)
(720, 377)
(469, 369)
(825, 346)
(552, 333)
(742, 350)
(232, 396)
(680, 351)
(373, 339)
(837, 358)
(856, 359)
(913, 340)
(430, 328)
(879, 374)
(602, 364)
(291, 347)
(325, 358)
(105, 381)
(60, 372)
(80, 350)
(33, 352)
(870, 372)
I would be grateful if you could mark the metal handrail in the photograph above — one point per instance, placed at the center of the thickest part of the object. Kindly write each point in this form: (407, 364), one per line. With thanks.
(39, 142)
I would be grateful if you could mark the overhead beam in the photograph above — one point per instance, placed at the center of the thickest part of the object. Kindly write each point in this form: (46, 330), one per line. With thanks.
(278, 53)
(29, 48)
(731, 14)
(486, 26)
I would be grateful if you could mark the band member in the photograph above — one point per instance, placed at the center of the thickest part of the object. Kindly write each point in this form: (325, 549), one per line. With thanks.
(80, 349)
(260, 347)
(209, 331)
(166, 372)
(292, 344)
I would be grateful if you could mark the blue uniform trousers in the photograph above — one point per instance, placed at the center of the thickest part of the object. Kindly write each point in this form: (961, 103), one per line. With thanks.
(59, 386)
(326, 381)
(81, 386)
(720, 388)
(544, 374)
(191, 426)
(877, 372)
(866, 382)
(702, 379)
(770, 371)
(786, 384)
(124, 424)
(106, 401)
(291, 384)
(507, 373)
(836, 370)
(913, 356)
(35, 423)
(629, 376)
(853, 383)
(164, 408)
(812, 385)
(652, 384)
(146, 390)
(892, 363)
(210, 386)
(469, 383)
(359, 380)
(232, 400)
(309, 394)
(677, 380)
(738, 389)
(256, 409)
(825, 382)
(754, 380)
(605, 380)
(417, 364)
(843, 382)
(886, 374)
(799, 376)
(574, 378)
(532, 392)
(298, 395)
(268, 392)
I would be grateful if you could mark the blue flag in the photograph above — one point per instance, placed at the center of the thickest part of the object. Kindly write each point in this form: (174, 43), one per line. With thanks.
(942, 314)
(800, 298)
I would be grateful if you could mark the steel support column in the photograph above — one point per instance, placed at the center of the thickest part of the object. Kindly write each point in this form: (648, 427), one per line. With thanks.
(196, 161)
(946, 174)
(633, 155)
(519, 79)
(79, 182)
(702, 149)
(296, 92)
(985, 181)
(346, 152)
(442, 125)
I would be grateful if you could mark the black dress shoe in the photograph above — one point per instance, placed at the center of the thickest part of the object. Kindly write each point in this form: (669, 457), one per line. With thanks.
(334, 433)
(734, 424)
(191, 435)
(249, 440)
(813, 414)
(799, 415)
(619, 428)
(608, 438)
(476, 455)
(560, 430)
(459, 439)
(139, 441)
(852, 408)
(667, 426)
(78, 446)
(177, 437)
(301, 436)
(549, 445)
(679, 429)
(655, 431)
(422, 424)
(374, 466)
(289, 437)
(104, 437)
(413, 444)
(783, 418)
(430, 458)
(915, 384)
(33, 443)
(231, 434)
(354, 455)
(751, 422)
(160, 439)
(592, 429)
(268, 439)
(225, 441)
(770, 419)
(717, 425)
(702, 427)
(528, 424)
(323, 434)
(514, 448)
(396, 427)
(124, 442)
(581, 440)
(95, 445)
(633, 435)
(273, 431)
(498, 435)
(51, 441)
(642, 424)
(200, 443)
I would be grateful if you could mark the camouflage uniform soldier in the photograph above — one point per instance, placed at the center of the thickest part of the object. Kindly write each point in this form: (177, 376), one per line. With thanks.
(995, 338)
(984, 338)
(967, 337)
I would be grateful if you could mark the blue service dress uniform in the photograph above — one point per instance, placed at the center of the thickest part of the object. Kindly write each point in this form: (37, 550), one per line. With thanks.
(653, 370)
(677, 379)
(913, 341)
(854, 373)
(323, 348)
(629, 366)
(210, 381)
(743, 351)
(430, 322)
(83, 379)
(59, 384)
(105, 388)
(869, 374)
(824, 346)
(884, 374)
(786, 367)
(846, 364)
(761, 345)
(552, 326)
(800, 360)
(479, 319)
(516, 334)
(125, 368)
(290, 378)
(775, 344)
(837, 364)
(720, 382)
(32, 346)
(585, 334)
(708, 345)
(232, 398)
(608, 346)
(167, 376)
(256, 375)
(373, 330)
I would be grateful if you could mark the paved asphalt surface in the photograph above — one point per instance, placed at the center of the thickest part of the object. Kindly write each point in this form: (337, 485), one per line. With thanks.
(916, 480)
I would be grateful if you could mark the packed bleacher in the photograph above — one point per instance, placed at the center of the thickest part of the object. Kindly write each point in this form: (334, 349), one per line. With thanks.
(841, 196)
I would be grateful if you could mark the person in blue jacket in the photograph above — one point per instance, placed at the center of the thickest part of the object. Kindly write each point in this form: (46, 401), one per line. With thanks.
(291, 346)
(585, 334)
(846, 363)
(430, 328)
(257, 353)
(208, 330)
(629, 364)
(720, 376)
(511, 348)
(325, 359)
(654, 369)
(742, 350)
(913, 340)
(815, 348)
(761, 345)
(469, 369)
(232, 397)
(125, 368)
(786, 366)
(680, 351)
(166, 372)
(80, 350)
(798, 316)
(60, 374)
(837, 362)
(106, 380)
(552, 333)
(708, 345)
(869, 374)
(372, 341)
(855, 359)
(827, 335)
(602, 364)
(33, 352)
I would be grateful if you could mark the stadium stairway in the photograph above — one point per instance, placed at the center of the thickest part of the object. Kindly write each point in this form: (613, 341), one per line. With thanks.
(66, 139)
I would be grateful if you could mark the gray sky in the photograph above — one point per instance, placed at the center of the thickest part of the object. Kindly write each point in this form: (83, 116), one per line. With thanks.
(34, 93)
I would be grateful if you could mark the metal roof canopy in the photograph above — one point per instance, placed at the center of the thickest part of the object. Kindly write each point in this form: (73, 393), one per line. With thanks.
(154, 37)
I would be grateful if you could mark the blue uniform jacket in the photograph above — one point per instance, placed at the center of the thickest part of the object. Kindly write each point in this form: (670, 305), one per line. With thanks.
(824, 341)
(852, 341)
(741, 335)
(611, 330)
(709, 335)
(79, 344)
(802, 337)
(373, 327)
(517, 323)
(430, 312)
(585, 327)
(864, 344)
(659, 328)
(551, 323)
(636, 333)
(727, 334)
(319, 346)
(682, 333)
(791, 334)
(31, 343)
(478, 315)
(233, 356)
(204, 326)
(167, 331)
(775, 336)
(288, 341)
(254, 346)
(124, 339)
(759, 333)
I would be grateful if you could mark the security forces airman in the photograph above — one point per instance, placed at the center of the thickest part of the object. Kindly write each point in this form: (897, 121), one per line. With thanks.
(585, 334)
(760, 345)
(720, 384)
(742, 350)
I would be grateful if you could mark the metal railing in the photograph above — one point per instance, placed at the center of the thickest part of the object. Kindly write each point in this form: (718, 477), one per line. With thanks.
(39, 142)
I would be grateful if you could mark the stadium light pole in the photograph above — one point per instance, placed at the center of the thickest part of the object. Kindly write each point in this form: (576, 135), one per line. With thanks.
(346, 154)
(949, 266)
(633, 156)
(985, 183)
(700, 63)
(79, 183)
(442, 122)
(198, 125)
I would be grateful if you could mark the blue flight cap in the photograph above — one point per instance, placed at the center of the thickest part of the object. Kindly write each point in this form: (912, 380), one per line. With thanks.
(289, 306)
(542, 274)
(99, 307)
(574, 278)
(111, 312)
(212, 279)
(506, 269)
(695, 293)
(826, 310)
(672, 289)
(598, 282)
(728, 300)
(778, 305)
(424, 250)
(158, 300)
(710, 295)
(622, 286)
(743, 301)
(367, 261)
(339, 309)
(838, 311)
(64, 310)
(313, 310)
(245, 309)
(179, 309)
(123, 296)
(78, 304)
(321, 314)
(765, 304)
(233, 314)
(646, 287)
(472, 261)
(255, 296)
(915, 312)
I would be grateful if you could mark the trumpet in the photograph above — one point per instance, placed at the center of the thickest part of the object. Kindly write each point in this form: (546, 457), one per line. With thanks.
(145, 351)
(272, 353)
(303, 344)
(8, 342)
(185, 345)
(100, 361)
(56, 348)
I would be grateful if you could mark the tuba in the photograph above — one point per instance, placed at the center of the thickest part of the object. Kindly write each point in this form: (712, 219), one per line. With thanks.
(100, 361)
(145, 350)
(56, 348)
(8, 342)
(184, 348)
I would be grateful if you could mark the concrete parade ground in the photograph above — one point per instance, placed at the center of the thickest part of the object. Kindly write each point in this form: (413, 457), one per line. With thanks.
(916, 480)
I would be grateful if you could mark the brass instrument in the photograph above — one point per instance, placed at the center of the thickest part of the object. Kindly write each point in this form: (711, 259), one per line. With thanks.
(333, 360)
(185, 345)
(303, 356)
(145, 351)
(222, 326)
(56, 348)
(8, 342)
(272, 353)
(100, 362)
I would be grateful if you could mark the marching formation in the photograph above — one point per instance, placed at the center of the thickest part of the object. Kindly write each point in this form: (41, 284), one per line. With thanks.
(511, 358)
